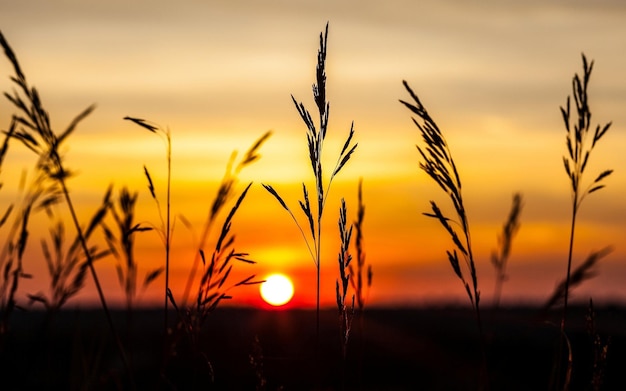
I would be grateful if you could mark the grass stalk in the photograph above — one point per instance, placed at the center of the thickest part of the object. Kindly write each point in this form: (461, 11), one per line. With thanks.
(168, 232)
(500, 257)
(165, 225)
(214, 287)
(36, 134)
(579, 149)
(346, 312)
(127, 267)
(358, 280)
(575, 162)
(94, 275)
(438, 163)
(224, 194)
(357, 274)
(211, 289)
(315, 142)
(68, 267)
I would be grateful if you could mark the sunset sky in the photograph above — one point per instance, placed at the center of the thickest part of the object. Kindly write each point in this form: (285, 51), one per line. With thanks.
(219, 74)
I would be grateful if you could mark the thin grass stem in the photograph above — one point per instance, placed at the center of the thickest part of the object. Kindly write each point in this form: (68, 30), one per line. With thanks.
(315, 143)
(579, 149)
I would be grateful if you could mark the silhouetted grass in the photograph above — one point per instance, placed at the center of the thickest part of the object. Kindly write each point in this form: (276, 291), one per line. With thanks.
(356, 274)
(315, 142)
(35, 132)
(346, 310)
(579, 148)
(224, 194)
(67, 267)
(166, 225)
(500, 257)
(578, 152)
(438, 163)
(212, 287)
(360, 276)
(190, 347)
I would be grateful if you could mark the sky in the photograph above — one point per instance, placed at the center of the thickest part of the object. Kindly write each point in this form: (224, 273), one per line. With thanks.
(219, 74)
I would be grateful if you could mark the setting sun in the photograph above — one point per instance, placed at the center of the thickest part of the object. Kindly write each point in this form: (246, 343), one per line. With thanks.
(277, 290)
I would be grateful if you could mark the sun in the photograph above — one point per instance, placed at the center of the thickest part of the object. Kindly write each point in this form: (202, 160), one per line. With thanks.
(277, 290)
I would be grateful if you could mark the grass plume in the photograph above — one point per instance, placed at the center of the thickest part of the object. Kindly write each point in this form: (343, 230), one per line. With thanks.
(500, 257)
(224, 194)
(67, 266)
(360, 275)
(315, 142)
(580, 141)
(214, 287)
(122, 244)
(36, 133)
(583, 272)
(41, 195)
(356, 274)
(346, 311)
(438, 163)
(166, 225)
(211, 287)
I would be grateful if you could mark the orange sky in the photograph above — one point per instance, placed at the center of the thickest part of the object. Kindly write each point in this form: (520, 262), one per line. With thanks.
(220, 74)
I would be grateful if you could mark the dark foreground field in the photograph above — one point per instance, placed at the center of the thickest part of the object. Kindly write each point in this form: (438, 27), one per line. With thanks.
(401, 349)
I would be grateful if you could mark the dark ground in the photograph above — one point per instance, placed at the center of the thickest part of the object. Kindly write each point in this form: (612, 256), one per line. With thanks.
(400, 349)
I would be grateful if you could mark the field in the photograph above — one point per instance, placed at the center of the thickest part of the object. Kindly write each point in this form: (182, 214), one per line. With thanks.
(196, 341)
(402, 349)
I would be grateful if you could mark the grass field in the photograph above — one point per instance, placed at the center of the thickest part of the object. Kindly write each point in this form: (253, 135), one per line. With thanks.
(402, 349)
(199, 343)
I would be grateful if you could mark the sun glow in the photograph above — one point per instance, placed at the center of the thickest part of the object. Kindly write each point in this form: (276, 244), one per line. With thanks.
(277, 290)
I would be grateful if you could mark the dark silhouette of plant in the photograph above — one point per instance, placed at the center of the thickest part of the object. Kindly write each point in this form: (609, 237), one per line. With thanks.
(211, 288)
(439, 165)
(41, 194)
(10, 273)
(500, 257)
(122, 245)
(315, 142)
(578, 151)
(358, 280)
(166, 226)
(437, 162)
(356, 274)
(214, 288)
(224, 194)
(11, 256)
(580, 141)
(13, 268)
(583, 272)
(35, 132)
(346, 311)
(67, 266)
